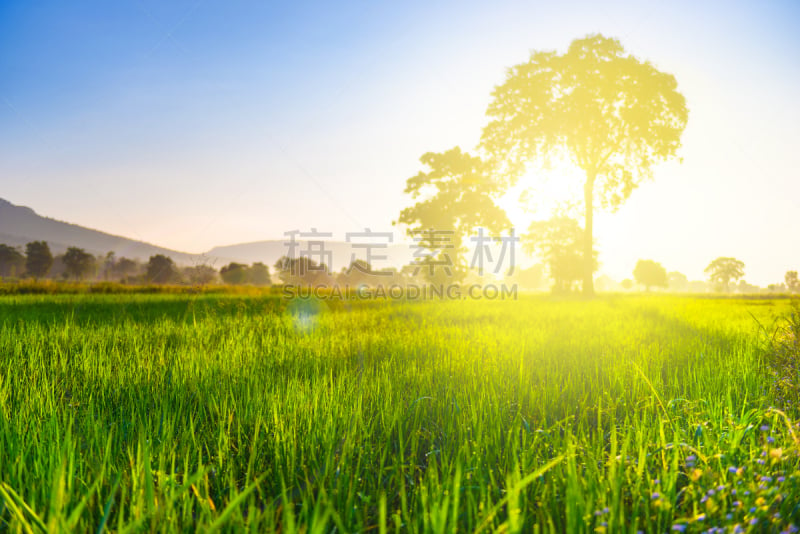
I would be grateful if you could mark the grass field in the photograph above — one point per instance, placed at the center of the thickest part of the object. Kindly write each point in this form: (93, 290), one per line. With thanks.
(181, 412)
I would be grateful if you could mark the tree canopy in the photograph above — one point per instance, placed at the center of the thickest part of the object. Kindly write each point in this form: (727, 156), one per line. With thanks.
(609, 113)
(258, 274)
(302, 271)
(38, 259)
(78, 263)
(455, 196)
(239, 273)
(161, 270)
(12, 262)
(234, 273)
(722, 270)
(650, 273)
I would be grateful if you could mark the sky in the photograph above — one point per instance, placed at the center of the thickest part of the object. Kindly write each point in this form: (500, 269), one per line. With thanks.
(192, 124)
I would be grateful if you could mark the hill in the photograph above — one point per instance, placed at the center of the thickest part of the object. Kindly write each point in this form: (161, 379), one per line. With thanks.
(20, 225)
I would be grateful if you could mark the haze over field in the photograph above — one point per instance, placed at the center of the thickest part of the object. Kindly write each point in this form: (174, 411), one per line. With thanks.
(190, 125)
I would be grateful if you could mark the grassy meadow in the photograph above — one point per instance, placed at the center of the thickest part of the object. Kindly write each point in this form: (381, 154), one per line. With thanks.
(132, 412)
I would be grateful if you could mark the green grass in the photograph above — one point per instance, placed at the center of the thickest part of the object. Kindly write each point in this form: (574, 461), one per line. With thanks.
(179, 412)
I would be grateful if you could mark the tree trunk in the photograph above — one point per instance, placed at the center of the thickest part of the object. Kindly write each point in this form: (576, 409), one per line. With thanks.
(588, 197)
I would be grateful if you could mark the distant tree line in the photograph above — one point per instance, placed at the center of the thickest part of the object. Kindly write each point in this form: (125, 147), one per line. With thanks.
(36, 261)
(558, 242)
(725, 275)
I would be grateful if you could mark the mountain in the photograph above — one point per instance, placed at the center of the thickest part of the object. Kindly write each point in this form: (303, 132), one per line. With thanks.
(20, 225)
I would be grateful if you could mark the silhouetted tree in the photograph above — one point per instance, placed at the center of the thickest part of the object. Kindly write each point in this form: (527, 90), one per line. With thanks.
(234, 273)
(792, 283)
(12, 262)
(258, 274)
(454, 197)
(38, 259)
(650, 274)
(302, 271)
(611, 114)
(161, 270)
(559, 242)
(722, 270)
(78, 263)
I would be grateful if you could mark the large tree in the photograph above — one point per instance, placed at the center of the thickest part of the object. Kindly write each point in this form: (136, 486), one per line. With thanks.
(609, 113)
(78, 262)
(302, 271)
(38, 258)
(650, 273)
(234, 273)
(12, 261)
(722, 270)
(454, 196)
(161, 270)
(258, 274)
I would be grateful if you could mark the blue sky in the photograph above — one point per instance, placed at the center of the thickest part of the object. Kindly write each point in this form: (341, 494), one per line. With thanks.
(195, 124)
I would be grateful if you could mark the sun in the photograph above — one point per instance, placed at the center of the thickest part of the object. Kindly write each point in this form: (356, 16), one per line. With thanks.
(541, 193)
